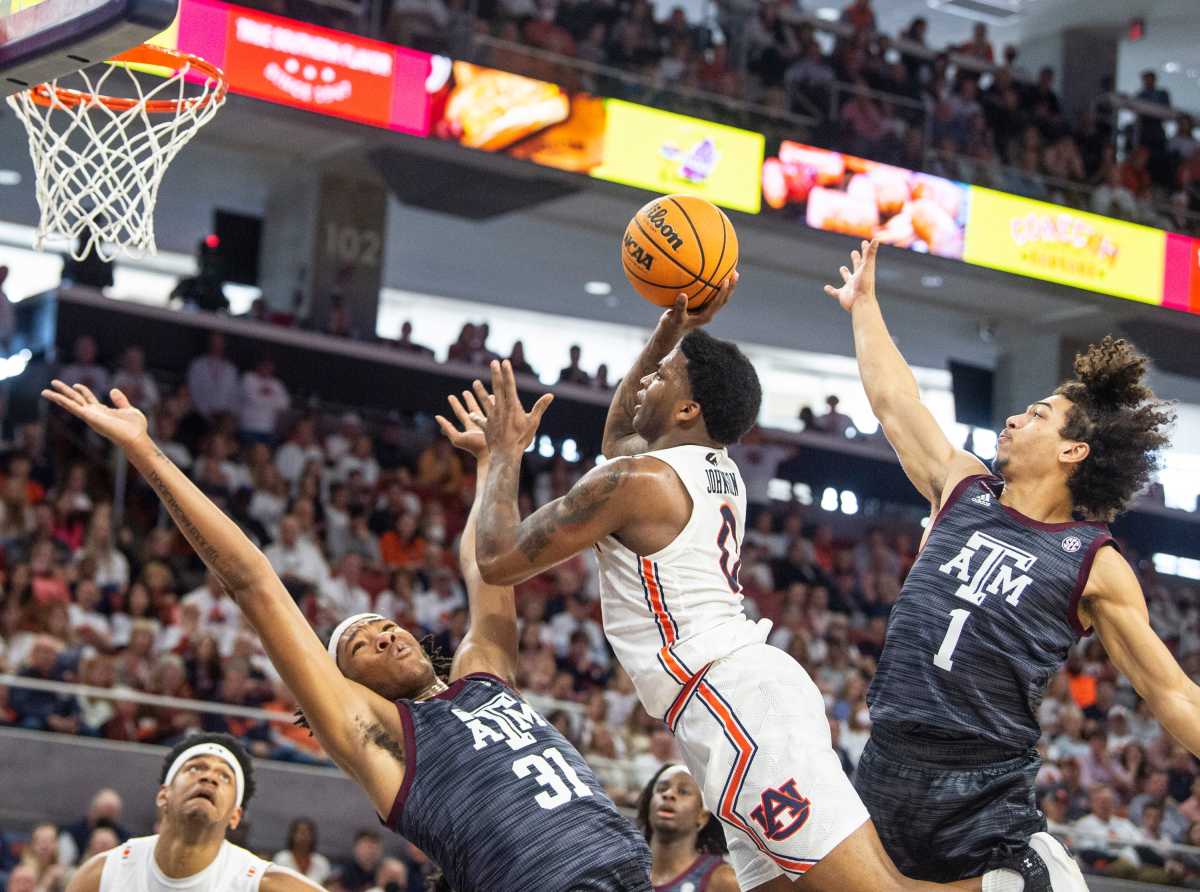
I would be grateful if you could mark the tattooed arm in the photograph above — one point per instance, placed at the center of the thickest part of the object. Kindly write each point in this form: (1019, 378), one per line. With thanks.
(509, 550)
(350, 720)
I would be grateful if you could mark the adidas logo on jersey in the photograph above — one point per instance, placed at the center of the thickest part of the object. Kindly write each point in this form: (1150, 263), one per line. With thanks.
(984, 499)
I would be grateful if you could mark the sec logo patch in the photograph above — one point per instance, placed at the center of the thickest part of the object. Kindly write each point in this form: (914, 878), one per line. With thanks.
(1071, 544)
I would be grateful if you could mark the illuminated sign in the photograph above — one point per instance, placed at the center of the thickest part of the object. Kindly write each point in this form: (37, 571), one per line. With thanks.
(665, 152)
(1059, 244)
(844, 193)
(317, 69)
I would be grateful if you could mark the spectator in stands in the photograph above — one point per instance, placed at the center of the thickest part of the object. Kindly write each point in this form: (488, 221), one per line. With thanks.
(439, 469)
(344, 593)
(1104, 836)
(213, 380)
(135, 382)
(978, 47)
(517, 358)
(85, 370)
(105, 806)
(1154, 794)
(300, 852)
(297, 560)
(859, 16)
(406, 343)
(1135, 172)
(1113, 198)
(299, 451)
(391, 876)
(264, 399)
(361, 461)
(1150, 127)
(573, 374)
(403, 546)
(44, 710)
(41, 856)
(358, 874)
(834, 422)
(770, 46)
(810, 76)
(8, 316)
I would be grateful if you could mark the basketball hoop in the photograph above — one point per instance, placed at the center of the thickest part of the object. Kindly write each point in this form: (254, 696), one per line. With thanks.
(99, 159)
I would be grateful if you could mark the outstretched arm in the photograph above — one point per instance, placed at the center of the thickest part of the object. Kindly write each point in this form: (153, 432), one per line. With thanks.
(490, 644)
(509, 550)
(931, 462)
(619, 435)
(345, 716)
(1113, 604)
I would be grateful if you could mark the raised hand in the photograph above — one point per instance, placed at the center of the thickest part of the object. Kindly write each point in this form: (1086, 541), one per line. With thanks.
(123, 424)
(860, 284)
(678, 321)
(508, 427)
(471, 438)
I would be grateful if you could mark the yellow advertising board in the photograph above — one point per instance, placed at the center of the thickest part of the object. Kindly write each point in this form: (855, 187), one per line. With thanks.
(664, 152)
(1060, 244)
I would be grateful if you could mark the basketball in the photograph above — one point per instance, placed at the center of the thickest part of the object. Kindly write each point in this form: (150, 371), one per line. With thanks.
(679, 243)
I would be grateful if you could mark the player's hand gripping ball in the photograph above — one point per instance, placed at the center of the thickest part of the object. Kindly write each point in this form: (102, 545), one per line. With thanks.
(679, 244)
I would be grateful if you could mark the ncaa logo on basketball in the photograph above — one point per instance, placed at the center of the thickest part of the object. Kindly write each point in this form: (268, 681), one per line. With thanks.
(637, 253)
(1071, 544)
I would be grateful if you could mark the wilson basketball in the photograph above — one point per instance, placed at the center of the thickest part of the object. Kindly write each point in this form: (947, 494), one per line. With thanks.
(679, 243)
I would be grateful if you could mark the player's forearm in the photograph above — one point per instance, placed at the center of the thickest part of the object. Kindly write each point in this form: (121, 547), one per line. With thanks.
(1178, 711)
(223, 547)
(496, 541)
(619, 423)
(885, 374)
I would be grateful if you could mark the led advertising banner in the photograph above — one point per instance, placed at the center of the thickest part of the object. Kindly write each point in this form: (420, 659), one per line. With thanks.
(316, 69)
(535, 120)
(843, 193)
(1181, 277)
(497, 111)
(1059, 244)
(665, 152)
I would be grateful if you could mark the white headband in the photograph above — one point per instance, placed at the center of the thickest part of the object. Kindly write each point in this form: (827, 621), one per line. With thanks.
(217, 751)
(344, 626)
(674, 769)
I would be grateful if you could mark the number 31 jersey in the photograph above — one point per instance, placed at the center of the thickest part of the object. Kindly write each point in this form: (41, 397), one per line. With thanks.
(670, 613)
(502, 802)
(984, 621)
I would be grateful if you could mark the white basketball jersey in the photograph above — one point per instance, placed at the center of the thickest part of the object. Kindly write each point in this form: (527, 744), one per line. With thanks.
(131, 867)
(668, 614)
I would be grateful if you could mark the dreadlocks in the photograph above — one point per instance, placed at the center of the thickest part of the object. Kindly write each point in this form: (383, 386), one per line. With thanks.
(1120, 418)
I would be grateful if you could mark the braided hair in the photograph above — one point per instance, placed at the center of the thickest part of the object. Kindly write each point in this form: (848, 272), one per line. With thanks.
(710, 840)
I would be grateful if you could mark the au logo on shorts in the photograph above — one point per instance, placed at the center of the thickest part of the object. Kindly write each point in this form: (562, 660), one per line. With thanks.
(782, 811)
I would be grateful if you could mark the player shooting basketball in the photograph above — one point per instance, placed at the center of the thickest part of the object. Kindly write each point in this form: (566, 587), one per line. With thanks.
(1014, 569)
(666, 516)
(467, 771)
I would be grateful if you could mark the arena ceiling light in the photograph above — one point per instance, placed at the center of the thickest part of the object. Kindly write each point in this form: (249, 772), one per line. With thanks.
(10, 178)
(597, 288)
(828, 14)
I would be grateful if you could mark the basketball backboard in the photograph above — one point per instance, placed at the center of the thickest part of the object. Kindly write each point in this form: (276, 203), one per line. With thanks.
(44, 39)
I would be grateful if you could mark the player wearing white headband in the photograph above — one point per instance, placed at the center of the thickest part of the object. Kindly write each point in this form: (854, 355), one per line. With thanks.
(206, 783)
(465, 770)
(686, 840)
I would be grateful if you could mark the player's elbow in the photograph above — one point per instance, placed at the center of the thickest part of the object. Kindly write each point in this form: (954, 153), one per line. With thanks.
(494, 570)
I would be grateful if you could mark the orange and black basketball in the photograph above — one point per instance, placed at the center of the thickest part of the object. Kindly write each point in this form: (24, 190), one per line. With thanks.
(679, 243)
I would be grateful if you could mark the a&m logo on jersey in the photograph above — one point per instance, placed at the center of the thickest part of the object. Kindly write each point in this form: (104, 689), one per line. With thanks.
(988, 566)
(503, 719)
(782, 811)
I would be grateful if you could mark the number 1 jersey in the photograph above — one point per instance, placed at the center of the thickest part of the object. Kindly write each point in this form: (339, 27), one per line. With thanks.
(984, 620)
(668, 614)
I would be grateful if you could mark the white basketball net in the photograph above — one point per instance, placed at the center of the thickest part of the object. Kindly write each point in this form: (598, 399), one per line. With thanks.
(98, 169)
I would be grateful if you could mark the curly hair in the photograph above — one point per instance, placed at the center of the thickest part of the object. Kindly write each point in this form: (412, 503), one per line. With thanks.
(1120, 418)
(709, 841)
(724, 383)
(226, 740)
